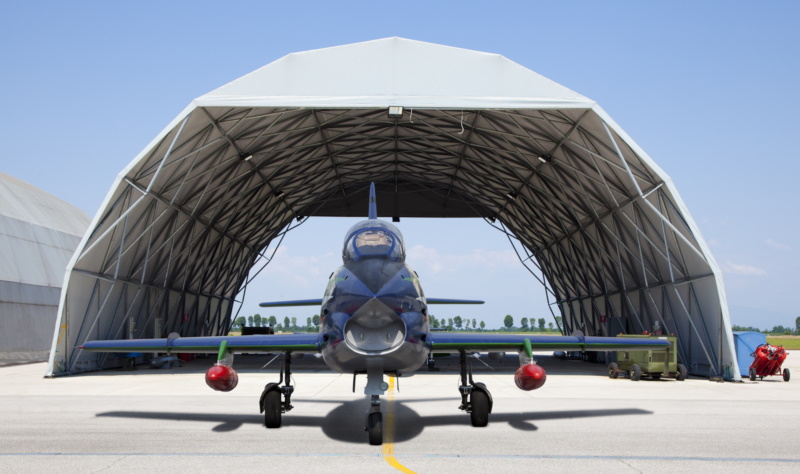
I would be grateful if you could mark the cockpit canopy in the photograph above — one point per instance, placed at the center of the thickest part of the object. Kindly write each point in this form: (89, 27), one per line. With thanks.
(373, 238)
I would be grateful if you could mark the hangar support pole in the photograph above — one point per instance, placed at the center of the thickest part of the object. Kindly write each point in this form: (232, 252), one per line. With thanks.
(642, 198)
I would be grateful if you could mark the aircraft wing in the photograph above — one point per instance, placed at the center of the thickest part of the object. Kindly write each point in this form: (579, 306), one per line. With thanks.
(449, 301)
(307, 343)
(481, 342)
(278, 304)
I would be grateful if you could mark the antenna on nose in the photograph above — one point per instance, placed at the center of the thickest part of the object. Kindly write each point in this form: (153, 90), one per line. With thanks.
(373, 205)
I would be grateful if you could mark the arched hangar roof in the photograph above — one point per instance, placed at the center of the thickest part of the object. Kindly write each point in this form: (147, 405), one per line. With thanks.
(478, 136)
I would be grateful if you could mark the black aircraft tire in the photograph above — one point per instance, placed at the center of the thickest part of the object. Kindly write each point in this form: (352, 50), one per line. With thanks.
(636, 372)
(752, 374)
(613, 370)
(683, 372)
(375, 428)
(480, 408)
(786, 375)
(272, 409)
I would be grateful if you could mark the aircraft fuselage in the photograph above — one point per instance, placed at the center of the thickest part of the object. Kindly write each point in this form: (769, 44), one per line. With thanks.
(374, 315)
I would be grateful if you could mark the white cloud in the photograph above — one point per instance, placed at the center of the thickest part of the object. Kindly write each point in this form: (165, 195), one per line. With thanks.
(298, 270)
(777, 245)
(743, 270)
(432, 260)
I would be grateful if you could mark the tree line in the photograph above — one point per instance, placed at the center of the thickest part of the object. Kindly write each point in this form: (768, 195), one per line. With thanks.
(777, 329)
(288, 324)
(459, 323)
(456, 323)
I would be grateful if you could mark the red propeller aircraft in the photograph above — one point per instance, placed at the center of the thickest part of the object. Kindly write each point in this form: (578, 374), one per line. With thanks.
(374, 321)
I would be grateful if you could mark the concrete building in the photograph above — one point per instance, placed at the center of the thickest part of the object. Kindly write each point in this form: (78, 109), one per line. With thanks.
(38, 234)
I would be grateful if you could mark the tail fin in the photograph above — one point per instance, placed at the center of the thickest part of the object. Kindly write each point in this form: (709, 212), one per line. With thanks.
(373, 205)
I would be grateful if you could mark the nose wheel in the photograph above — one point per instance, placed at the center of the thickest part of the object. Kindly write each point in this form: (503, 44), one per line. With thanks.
(374, 426)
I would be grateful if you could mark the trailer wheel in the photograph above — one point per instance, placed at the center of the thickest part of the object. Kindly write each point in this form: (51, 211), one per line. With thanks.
(786, 375)
(683, 372)
(613, 370)
(636, 372)
(752, 374)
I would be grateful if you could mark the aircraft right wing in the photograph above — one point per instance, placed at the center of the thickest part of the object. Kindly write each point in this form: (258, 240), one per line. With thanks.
(482, 342)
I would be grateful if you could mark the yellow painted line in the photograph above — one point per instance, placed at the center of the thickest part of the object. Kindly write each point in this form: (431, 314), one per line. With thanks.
(388, 432)
(61, 333)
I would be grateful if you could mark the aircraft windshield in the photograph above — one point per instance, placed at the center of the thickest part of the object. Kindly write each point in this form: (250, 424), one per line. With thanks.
(373, 242)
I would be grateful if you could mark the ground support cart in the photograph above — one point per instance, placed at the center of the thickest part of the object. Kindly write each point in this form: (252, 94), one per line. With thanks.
(653, 364)
(767, 360)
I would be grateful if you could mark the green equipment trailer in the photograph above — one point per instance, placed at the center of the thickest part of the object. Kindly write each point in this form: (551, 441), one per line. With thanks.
(653, 364)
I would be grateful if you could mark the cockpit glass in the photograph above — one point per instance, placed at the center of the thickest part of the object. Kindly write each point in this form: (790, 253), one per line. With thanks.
(373, 242)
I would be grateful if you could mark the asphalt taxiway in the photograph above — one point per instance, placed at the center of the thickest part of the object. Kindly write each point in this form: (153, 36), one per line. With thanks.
(162, 420)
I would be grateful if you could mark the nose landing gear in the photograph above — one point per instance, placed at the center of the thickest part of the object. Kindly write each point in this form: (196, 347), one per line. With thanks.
(375, 388)
(374, 426)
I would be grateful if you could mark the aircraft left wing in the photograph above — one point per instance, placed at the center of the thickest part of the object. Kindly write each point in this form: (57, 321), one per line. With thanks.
(481, 342)
(279, 304)
(451, 301)
(306, 343)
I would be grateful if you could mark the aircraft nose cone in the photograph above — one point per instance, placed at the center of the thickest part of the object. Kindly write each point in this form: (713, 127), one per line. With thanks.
(374, 329)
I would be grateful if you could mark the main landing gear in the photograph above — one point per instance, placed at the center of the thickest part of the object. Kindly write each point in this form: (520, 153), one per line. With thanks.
(475, 397)
(271, 404)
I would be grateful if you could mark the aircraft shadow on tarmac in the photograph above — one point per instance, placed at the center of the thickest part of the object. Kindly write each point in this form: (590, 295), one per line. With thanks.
(346, 422)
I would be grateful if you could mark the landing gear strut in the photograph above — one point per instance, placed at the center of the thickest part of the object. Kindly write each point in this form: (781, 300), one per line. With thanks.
(375, 388)
(431, 362)
(475, 397)
(270, 403)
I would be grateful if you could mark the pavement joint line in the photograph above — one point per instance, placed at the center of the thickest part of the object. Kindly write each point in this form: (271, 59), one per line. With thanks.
(333, 380)
(429, 456)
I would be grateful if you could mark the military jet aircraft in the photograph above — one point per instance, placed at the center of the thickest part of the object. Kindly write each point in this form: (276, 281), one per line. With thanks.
(374, 321)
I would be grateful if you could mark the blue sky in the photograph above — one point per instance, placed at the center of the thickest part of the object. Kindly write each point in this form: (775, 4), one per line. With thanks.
(706, 88)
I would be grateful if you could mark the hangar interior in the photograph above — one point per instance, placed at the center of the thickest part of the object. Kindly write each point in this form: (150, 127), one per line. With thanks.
(444, 133)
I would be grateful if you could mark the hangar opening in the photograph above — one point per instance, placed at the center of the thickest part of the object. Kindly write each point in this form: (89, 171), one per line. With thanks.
(443, 132)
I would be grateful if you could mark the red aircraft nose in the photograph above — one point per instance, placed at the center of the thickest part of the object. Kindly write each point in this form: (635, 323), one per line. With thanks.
(530, 377)
(222, 378)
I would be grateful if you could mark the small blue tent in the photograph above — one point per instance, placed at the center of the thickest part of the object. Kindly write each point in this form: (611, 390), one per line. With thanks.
(745, 343)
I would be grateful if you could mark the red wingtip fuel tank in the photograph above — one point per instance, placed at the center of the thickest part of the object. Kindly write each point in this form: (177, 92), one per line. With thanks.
(530, 377)
(222, 378)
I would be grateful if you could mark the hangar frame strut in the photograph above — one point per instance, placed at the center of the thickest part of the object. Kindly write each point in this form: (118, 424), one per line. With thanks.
(598, 222)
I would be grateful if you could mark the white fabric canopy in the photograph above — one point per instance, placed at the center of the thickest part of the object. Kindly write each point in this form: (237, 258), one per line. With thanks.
(598, 221)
